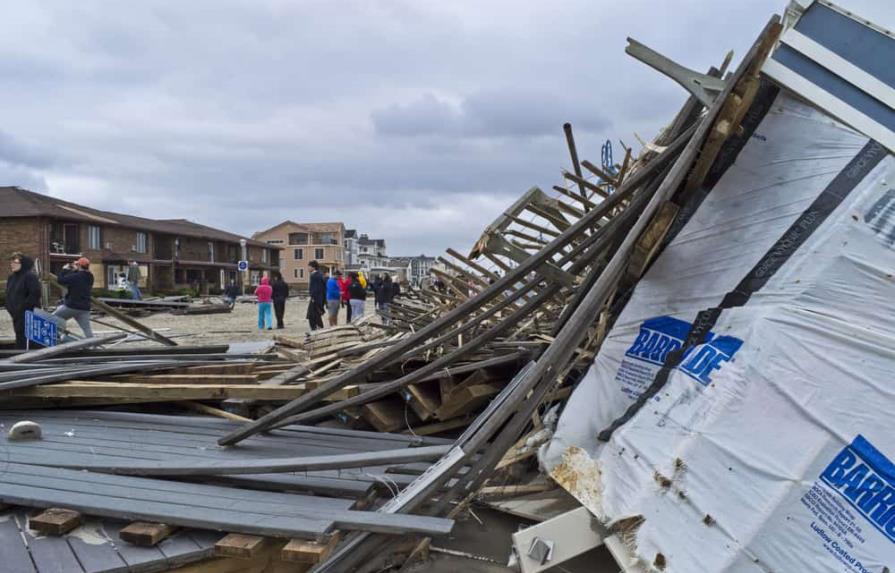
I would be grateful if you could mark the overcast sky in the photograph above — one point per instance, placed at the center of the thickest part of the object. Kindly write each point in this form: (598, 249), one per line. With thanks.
(414, 121)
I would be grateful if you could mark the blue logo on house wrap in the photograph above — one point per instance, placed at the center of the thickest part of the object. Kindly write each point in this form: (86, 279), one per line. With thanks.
(865, 478)
(663, 334)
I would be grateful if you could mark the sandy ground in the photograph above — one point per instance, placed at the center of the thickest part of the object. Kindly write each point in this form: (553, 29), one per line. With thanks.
(240, 325)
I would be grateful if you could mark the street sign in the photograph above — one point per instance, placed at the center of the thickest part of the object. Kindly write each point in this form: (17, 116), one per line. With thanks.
(40, 330)
(243, 266)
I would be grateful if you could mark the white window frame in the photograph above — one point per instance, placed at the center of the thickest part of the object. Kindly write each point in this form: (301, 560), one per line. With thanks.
(142, 242)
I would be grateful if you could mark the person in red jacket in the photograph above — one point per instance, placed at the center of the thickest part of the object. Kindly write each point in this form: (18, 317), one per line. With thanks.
(264, 292)
(344, 283)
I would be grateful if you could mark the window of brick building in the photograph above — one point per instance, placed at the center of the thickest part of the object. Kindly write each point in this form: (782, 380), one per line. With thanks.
(140, 246)
(94, 237)
(298, 254)
(318, 253)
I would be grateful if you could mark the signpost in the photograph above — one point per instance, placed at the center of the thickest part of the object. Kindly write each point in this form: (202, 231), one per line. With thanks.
(40, 330)
(243, 265)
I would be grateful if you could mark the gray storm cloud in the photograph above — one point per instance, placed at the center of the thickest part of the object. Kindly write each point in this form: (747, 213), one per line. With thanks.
(414, 121)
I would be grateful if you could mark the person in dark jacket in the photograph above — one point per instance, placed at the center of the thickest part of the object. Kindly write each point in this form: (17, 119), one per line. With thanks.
(396, 290)
(384, 297)
(280, 294)
(317, 292)
(231, 292)
(357, 296)
(22, 293)
(78, 280)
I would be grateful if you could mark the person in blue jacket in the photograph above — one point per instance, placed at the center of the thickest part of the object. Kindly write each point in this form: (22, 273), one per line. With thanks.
(333, 298)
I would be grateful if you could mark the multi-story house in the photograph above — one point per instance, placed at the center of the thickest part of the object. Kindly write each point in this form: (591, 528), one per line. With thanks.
(350, 243)
(418, 268)
(300, 243)
(371, 253)
(171, 253)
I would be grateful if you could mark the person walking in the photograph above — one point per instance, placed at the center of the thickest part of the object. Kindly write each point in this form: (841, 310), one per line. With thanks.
(133, 280)
(317, 292)
(264, 293)
(22, 293)
(280, 294)
(344, 283)
(231, 291)
(78, 281)
(333, 298)
(357, 293)
(382, 289)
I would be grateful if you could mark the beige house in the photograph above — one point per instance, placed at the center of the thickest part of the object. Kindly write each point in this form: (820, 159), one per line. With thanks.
(301, 243)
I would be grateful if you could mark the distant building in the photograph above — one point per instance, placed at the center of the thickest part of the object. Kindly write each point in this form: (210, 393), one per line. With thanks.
(350, 244)
(371, 253)
(300, 243)
(418, 268)
(171, 253)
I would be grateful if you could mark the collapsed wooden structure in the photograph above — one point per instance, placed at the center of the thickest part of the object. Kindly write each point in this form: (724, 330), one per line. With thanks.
(513, 325)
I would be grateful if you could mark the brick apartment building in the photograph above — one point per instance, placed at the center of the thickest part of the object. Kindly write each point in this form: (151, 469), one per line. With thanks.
(172, 253)
(300, 243)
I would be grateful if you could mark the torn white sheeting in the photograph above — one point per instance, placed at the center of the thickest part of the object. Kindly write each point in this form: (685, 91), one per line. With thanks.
(770, 447)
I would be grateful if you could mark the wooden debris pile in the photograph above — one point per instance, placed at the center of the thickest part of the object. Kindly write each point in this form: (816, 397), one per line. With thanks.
(478, 357)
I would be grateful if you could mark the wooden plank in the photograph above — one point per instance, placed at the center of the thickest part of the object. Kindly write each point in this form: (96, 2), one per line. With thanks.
(95, 556)
(12, 547)
(156, 392)
(55, 521)
(51, 351)
(238, 545)
(53, 554)
(289, 342)
(180, 548)
(188, 379)
(198, 505)
(650, 241)
(170, 468)
(146, 534)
